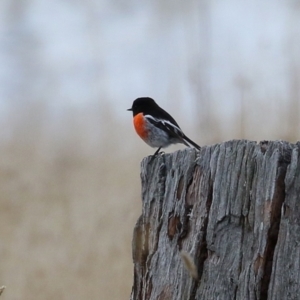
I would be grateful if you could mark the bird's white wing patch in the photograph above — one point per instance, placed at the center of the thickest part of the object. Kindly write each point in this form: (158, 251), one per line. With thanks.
(164, 124)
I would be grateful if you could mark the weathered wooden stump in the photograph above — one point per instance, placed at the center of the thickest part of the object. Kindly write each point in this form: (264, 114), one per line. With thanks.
(233, 211)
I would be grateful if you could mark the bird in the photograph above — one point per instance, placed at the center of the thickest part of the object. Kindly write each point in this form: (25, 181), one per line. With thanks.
(156, 127)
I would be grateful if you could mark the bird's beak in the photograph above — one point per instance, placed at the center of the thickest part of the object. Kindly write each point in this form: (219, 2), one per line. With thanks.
(129, 109)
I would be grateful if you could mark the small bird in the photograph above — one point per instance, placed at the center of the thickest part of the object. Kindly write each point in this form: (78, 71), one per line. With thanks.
(155, 126)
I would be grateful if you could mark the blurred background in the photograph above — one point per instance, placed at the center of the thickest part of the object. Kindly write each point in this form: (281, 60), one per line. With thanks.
(69, 156)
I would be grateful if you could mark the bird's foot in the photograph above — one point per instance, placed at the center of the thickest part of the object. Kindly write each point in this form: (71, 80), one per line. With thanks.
(157, 153)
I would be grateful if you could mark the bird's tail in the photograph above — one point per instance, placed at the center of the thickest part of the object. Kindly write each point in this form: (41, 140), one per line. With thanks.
(188, 142)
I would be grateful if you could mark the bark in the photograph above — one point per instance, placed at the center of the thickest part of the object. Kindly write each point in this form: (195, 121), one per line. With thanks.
(222, 223)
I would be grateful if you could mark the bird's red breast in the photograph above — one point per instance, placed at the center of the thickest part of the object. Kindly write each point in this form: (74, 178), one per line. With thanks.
(140, 125)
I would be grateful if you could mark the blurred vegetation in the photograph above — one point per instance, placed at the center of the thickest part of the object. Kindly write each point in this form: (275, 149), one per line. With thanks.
(69, 202)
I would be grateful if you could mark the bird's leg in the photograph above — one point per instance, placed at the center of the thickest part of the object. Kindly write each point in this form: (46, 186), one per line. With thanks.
(155, 154)
(157, 151)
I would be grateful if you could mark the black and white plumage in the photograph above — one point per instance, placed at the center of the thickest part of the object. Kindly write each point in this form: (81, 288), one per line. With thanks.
(156, 127)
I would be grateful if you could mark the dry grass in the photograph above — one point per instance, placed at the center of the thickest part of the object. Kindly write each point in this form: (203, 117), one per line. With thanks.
(68, 206)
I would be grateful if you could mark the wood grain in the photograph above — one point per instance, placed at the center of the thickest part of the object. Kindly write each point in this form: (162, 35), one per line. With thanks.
(232, 209)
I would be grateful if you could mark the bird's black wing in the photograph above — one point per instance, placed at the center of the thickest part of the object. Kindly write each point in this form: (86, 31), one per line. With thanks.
(173, 130)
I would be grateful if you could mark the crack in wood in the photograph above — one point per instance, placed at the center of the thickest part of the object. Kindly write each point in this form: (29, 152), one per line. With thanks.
(272, 236)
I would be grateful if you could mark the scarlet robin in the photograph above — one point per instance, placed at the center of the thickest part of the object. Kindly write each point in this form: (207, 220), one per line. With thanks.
(155, 126)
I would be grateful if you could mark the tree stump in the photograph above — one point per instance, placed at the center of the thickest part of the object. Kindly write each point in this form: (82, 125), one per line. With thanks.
(222, 223)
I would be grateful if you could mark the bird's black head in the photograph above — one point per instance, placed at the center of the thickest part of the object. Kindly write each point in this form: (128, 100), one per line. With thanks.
(144, 105)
